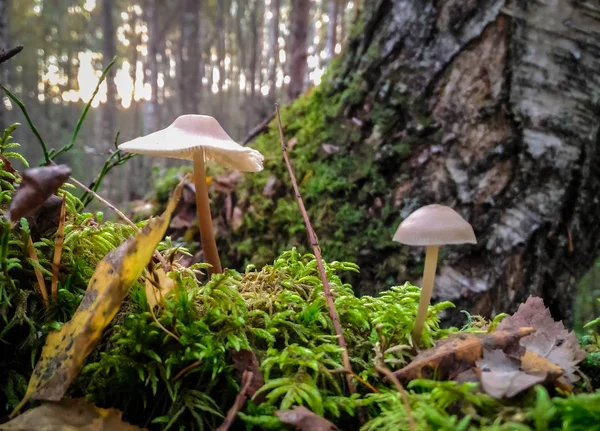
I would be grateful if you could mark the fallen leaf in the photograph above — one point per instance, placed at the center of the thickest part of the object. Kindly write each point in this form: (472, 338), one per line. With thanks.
(532, 363)
(65, 350)
(73, 414)
(269, 189)
(156, 295)
(457, 353)
(37, 185)
(237, 218)
(551, 339)
(304, 420)
(291, 144)
(501, 376)
(245, 360)
(330, 148)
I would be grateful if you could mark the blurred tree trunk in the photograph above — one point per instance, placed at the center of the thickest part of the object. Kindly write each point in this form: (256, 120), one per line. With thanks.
(332, 27)
(223, 6)
(189, 46)
(300, 21)
(109, 110)
(274, 60)
(4, 8)
(256, 25)
(151, 75)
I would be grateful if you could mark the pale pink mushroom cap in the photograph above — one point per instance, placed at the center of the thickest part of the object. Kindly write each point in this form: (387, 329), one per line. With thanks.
(435, 225)
(192, 133)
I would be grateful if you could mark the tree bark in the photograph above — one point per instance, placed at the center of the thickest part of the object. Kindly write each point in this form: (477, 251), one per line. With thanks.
(298, 47)
(516, 146)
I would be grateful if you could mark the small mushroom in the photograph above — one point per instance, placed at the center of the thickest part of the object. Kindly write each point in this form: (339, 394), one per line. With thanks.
(432, 226)
(199, 138)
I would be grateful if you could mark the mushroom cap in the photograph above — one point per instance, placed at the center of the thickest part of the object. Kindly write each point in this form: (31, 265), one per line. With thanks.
(435, 225)
(191, 133)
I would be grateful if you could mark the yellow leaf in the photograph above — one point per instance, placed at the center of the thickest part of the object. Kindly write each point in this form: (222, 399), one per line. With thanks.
(155, 295)
(74, 414)
(65, 350)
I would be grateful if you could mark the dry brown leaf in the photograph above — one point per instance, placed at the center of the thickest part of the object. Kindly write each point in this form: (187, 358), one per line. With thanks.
(551, 339)
(74, 414)
(304, 420)
(532, 363)
(37, 185)
(501, 376)
(156, 295)
(269, 189)
(245, 360)
(457, 353)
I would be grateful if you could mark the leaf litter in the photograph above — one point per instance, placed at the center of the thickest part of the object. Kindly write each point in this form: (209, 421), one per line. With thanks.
(526, 349)
(65, 351)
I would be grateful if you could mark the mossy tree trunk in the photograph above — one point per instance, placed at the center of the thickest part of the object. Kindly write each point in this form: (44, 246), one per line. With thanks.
(513, 89)
(490, 107)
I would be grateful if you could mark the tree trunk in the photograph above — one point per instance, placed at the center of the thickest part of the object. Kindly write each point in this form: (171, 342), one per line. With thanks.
(3, 45)
(109, 110)
(332, 28)
(487, 106)
(151, 120)
(189, 83)
(274, 60)
(298, 47)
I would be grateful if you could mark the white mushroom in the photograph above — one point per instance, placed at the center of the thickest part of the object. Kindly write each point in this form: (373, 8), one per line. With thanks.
(432, 226)
(199, 138)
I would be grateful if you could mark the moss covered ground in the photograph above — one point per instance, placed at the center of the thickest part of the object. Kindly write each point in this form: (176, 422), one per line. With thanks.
(278, 311)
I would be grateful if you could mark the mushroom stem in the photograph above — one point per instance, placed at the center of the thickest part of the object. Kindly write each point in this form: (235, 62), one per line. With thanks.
(431, 257)
(207, 235)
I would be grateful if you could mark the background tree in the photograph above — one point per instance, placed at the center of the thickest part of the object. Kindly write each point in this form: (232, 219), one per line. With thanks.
(299, 25)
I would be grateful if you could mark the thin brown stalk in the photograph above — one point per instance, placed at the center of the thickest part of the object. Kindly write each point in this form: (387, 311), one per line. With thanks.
(58, 247)
(239, 402)
(157, 255)
(383, 370)
(38, 274)
(185, 370)
(317, 251)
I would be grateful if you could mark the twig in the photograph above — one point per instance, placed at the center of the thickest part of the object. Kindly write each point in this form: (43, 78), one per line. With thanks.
(7, 54)
(388, 373)
(257, 130)
(157, 255)
(36, 270)
(384, 371)
(34, 129)
(313, 240)
(58, 247)
(239, 402)
(185, 370)
(357, 377)
(108, 204)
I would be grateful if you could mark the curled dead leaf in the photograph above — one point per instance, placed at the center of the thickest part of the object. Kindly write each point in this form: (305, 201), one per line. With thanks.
(457, 353)
(158, 287)
(37, 185)
(551, 340)
(303, 419)
(73, 414)
(501, 376)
